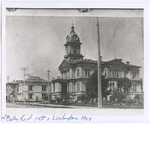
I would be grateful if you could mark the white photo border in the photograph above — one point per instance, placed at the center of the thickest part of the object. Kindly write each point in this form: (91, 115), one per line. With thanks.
(97, 114)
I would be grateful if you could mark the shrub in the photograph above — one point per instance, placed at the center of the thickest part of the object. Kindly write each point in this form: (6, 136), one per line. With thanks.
(137, 97)
(80, 97)
(129, 102)
(119, 95)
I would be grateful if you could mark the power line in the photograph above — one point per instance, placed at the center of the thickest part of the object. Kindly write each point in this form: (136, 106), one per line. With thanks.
(112, 37)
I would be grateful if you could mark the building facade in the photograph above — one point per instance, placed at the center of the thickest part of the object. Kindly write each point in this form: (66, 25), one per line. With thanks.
(75, 71)
(116, 69)
(11, 90)
(35, 89)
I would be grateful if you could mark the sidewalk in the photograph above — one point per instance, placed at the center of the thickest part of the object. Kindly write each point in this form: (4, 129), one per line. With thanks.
(71, 106)
(89, 107)
(62, 106)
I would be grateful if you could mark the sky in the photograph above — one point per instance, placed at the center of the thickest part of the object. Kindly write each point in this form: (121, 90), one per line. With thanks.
(37, 42)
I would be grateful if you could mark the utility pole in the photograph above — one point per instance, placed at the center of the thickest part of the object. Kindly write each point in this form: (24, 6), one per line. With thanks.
(114, 45)
(99, 69)
(24, 70)
(48, 87)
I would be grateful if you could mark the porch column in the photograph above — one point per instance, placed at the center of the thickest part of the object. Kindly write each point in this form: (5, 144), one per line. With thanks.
(59, 87)
(70, 87)
(55, 87)
(71, 76)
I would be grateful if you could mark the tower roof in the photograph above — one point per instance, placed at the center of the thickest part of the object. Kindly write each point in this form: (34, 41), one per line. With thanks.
(72, 37)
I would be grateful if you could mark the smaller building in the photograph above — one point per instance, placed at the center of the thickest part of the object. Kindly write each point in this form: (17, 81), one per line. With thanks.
(11, 90)
(116, 69)
(35, 89)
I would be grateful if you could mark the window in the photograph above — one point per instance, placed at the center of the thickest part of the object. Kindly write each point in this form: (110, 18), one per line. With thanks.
(115, 73)
(134, 88)
(43, 88)
(74, 51)
(73, 87)
(78, 87)
(73, 73)
(30, 96)
(44, 95)
(68, 74)
(87, 72)
(113, 84)
(78, 72)
(30, 87)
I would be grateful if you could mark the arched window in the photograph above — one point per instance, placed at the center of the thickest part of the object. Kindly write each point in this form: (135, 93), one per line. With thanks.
(78, 72)
(110, 83)
(86, 72)
(78, 87)
(113, 84)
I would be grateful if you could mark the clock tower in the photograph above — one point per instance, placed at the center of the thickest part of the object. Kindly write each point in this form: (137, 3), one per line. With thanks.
(72, 47)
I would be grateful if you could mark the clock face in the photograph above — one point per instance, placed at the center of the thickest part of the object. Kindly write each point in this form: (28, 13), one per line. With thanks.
(75, 38)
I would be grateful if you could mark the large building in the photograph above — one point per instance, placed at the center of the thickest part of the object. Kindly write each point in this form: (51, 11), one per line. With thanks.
(35, 89)
(75, 71)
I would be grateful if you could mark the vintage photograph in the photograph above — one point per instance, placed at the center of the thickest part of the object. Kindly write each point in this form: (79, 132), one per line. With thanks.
(85, 61)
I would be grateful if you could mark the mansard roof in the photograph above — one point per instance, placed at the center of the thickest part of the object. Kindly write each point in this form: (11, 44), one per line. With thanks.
(114, 62)
(66, 63)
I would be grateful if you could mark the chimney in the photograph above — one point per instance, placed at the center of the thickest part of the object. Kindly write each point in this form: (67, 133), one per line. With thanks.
(120, 60)
(127, 62)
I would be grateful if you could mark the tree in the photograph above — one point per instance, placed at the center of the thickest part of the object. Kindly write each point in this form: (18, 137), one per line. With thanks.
(92, 85)
(124, 83)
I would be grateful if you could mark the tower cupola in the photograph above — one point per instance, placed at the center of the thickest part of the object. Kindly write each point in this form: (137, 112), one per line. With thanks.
(72, 37)
(72, 46)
